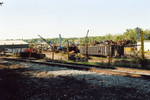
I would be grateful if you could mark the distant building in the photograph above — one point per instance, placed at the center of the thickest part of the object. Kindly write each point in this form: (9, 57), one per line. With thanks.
(14, 46)
(146, 45)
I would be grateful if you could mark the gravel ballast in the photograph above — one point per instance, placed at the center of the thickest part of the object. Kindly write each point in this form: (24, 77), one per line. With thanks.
(28, 81)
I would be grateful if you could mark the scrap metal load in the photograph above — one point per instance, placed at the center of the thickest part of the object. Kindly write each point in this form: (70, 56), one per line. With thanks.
(121, 42)
(105, 48)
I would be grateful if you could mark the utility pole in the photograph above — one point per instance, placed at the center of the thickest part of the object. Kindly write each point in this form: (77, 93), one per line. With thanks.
(142, 45)
(68, 49)
(53, 52)
(142, 35)
(86, 40)
(109, 56)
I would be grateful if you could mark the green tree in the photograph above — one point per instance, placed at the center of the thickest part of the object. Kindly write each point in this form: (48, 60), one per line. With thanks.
(131, 34)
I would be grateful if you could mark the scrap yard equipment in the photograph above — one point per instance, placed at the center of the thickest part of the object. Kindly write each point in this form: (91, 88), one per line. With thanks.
(46, 41)
(59, 47)
(52, 46)
(31, 53)
(142, 35)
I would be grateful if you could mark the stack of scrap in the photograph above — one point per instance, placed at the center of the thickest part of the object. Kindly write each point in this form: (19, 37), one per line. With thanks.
(94, 43)
(121, 42)
(97, 43)
(113, 42)
(72, 48)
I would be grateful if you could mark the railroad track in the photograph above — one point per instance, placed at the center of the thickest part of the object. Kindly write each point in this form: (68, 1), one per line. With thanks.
(127, 72)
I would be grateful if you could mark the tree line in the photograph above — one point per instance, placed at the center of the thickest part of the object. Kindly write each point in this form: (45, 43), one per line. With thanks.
(130, 34)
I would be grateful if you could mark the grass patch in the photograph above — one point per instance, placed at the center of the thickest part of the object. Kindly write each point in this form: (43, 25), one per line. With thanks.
(116, 62)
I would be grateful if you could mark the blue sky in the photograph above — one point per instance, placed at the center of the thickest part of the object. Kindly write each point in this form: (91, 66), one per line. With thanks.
(71, 18)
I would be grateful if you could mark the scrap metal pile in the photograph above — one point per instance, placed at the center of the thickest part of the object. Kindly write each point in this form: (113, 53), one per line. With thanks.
(121, 42)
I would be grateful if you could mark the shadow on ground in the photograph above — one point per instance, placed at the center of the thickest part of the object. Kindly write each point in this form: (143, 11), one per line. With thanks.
(14, 85)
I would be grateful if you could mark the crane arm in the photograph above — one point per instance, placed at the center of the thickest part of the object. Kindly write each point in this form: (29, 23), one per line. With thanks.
(45, 40)
(87, 36)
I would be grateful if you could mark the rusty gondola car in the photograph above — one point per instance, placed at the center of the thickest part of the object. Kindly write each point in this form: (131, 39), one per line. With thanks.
(103, 50)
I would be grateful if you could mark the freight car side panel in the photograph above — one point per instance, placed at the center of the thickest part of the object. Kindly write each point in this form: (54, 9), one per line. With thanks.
(97, 50)
(103, 50)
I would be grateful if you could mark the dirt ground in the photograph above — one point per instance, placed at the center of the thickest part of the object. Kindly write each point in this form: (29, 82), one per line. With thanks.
(57, 56)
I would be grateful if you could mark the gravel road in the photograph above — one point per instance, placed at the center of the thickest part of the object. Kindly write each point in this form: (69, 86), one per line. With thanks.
(28, 81)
